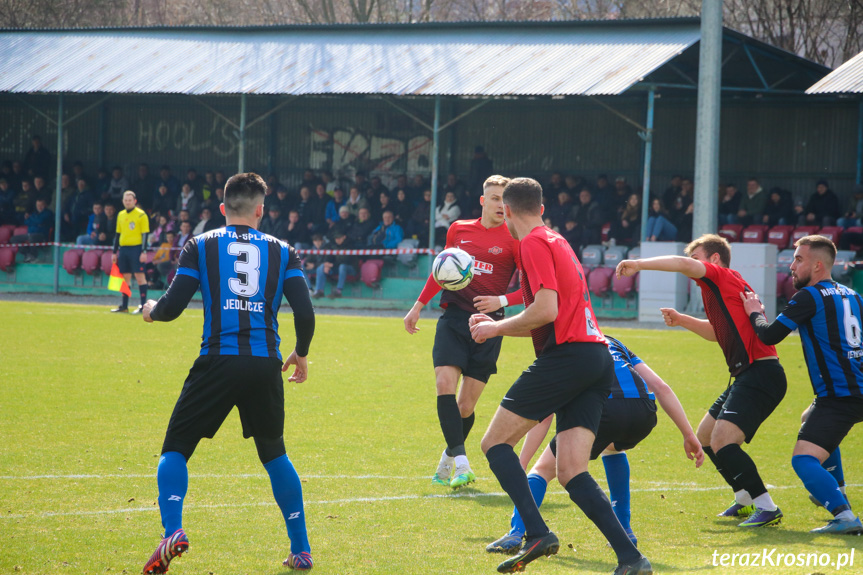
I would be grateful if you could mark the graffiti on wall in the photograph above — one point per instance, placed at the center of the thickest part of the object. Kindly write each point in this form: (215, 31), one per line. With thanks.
(347, 150)
(217, 138)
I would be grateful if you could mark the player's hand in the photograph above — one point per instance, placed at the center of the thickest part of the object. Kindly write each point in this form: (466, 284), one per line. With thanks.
(751, 303)
(671, 316)
(482, 327)
(143, 258)
(693, 449)
(301, 372)
(113, 258)
(477, 318)
(626, 268)
(411, 319)
(486, 303)
(145, 311)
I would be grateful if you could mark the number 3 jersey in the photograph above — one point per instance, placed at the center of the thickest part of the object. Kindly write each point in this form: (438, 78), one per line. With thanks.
(828, 316)
(241, 273)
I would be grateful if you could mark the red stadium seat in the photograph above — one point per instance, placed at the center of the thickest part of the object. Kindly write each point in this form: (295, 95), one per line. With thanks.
(623, 286)
(754, 234)
(833, 233)
(6, 233)
(20, 231)
(855, 230)
(780, 236)
(731, 232)
(599, 281)
(91, 262)
(7, 259)
(72, 261)
(606, 227)
(370, 272)
(106, 262)
(801, 231)
(788, 289)
(780, 283)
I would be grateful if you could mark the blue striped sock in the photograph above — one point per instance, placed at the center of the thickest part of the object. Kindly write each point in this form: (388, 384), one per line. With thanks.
(172, 477)
(833, 464)
(288, 492)
(537, 485)
(617, 475)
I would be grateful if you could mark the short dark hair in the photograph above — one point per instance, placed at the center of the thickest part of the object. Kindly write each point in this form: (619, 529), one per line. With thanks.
(712, 244)
(523, 196)
(820, 243)
(243, 192)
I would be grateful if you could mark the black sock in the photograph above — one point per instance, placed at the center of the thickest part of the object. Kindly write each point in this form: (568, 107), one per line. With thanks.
(467, 424)
(740, 466)
(591, 499)
(142, 289)
(125, 301)
(729, 479)
(451, 424)
(505, 465)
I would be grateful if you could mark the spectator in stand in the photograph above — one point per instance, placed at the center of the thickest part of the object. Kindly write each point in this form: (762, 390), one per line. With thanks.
(481, 167)
(313, 263)
(317, 212)
(274, 183)
(385, 202)
(671, 192)
(67, 189)
(752, 203)
(117, 185)
(193, 180)
(18, 175)
(355, 201)
(779, 209)
(401, 184)
(281, 198)
(95, 224)
(208, 186)
(40, 190)
(185, 234)
(416, 188)
(454, 185)
(822, 209)
(217, 218)
(361, 229)
(165, 225)
(681, 213)
(403, 209)
(25, 201)
(362, 183)
(188, 201)
(622, 191)
(330, 184)
(39, 224)
(309, 179)
(220, 179)
(588, 218)
(305, 207)
(549, 225)
(659, 227)
(203, 224)
(37, 161)
(729, 205)
(419, 223)
(388, 234)
(77, 210)
(296, 233)
(100, 186)
(6, 172)
(573, 184)
(854, 213)
(169, 181)
(7, 203)
(106, 235)
(559, 211)
(344, 264)
(554, 186)
(626, 229)
(273, 223)
(376, 188)
(163, 204)
(78, 172)
(144, 186)
(343, 223)
(571, 233)
(185, 216)
(333, 206)
(164, 262)
(445, 214)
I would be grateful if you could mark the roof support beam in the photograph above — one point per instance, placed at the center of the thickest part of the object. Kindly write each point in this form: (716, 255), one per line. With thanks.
(647, 136)
(434, 174)
(620, 115)
(755, 67)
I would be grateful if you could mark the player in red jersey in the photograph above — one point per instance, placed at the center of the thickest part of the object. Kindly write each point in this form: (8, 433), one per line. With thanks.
(759, 380)
(571, 377)
(455, 353)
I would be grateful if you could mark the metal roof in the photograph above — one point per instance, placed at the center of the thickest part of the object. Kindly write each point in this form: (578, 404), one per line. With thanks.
(535, 59)
(847, 78)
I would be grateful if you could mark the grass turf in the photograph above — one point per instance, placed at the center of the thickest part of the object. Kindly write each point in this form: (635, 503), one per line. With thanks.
(86, 396)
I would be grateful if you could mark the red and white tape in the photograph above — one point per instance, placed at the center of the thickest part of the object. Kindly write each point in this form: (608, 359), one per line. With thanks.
(368, 252)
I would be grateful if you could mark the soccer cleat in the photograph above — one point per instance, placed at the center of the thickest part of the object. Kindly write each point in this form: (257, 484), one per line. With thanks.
(120, 309)
(444, 470)
(640, 567)
(168, 548)
(841, 527)
(300, 562)
(138, 310)
(533, 548)
(463, 476)
(763, 518)
(509, 543)
(737, 510)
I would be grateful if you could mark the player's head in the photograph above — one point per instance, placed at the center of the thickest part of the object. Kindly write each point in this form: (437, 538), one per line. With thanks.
(710, 248)
(244, 196)
(491, 199)
(129, 199)
(522, 198)
(813, 261)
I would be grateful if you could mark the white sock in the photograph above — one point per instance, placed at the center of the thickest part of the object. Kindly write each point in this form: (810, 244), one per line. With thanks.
(765, 502)
(842, 489)
(742, 497)
(445, 457)
(461, 461)
(846, 515)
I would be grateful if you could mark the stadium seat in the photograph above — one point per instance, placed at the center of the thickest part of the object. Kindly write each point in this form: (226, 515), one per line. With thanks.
(833, 233)
(606, 227)
(591, 256)
(754, 234)
(409, 260)
(599, 281)
(613, 256)
(801, 231)
(855, 230)
(20, 231)
(731, 232)
(6, 233)
(623, 286)
(634, 253)
(7, 259)
(780, 282)
(841, 272)
(72, 261)
(370, 272)
(106, 262)
(788, 289)
(780, 236)
(784, 259)
(91, 262)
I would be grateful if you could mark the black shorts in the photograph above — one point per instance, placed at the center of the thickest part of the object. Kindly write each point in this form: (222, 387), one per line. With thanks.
(753, 396)
(129, 260)
(624, 423)
(830, 421)
(454, 346)
(571, 380)
(215, 384)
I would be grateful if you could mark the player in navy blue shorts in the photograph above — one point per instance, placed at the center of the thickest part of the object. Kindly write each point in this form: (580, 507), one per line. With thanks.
(242, 274)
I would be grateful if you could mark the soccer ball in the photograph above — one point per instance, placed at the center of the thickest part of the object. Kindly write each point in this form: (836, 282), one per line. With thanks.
(453, 269)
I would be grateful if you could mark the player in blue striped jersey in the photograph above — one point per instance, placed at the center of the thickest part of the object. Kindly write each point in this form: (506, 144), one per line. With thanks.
(628, 417)
(242, 274)
(828, 316)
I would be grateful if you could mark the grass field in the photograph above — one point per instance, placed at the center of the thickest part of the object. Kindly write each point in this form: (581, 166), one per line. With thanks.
(86, 395)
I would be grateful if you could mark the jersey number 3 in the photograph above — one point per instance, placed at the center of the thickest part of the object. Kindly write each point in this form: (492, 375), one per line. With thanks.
(248, 278)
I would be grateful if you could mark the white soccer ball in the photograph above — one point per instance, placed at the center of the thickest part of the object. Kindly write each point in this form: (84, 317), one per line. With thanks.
(453, 269)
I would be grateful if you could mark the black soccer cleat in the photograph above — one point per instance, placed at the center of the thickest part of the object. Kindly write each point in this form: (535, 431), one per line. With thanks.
(533, 548)
(640, 567)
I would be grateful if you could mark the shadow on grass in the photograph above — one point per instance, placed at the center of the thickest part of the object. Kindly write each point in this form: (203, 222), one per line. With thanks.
(777, 535)
(581, 565)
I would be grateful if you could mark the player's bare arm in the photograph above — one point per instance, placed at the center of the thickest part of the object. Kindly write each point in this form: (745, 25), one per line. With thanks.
(702, 327)
(412, 317)
(687, 266)
(671, 405)
(542, 311)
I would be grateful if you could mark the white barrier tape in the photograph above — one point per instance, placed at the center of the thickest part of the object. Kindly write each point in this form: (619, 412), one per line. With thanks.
(366, 252)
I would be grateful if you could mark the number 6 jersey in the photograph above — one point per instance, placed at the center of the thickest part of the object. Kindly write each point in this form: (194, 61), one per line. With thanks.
(241, 273)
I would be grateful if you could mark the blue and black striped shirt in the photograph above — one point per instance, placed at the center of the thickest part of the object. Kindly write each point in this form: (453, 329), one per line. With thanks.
(628, 383)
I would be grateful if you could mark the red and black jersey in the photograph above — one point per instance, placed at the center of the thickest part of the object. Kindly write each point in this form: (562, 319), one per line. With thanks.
(494, 251)
(547, 261)
(720, 290)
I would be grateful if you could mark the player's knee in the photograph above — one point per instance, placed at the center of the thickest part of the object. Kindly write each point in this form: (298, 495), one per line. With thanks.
(184, 448)
(269, 448)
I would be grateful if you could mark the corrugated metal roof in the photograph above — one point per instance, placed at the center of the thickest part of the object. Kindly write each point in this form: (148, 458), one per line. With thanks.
(847, 78)
(553, 60)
